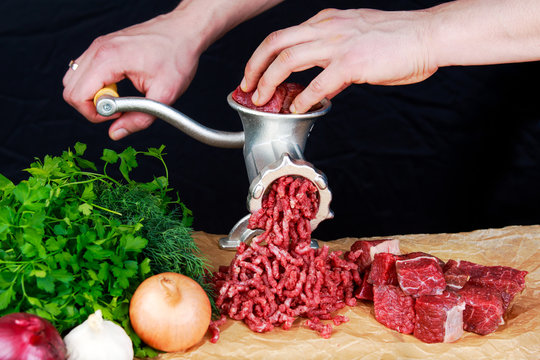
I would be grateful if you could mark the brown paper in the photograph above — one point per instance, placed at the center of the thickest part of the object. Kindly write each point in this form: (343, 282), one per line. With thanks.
(364, 338)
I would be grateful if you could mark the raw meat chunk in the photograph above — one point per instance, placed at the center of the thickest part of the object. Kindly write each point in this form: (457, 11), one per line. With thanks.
(439, 318)
(420, 275)
(363, 251)
(454, 276)
(293, 89)
(416, 254)
(483, 309)
(508, 281)
(393, 308)
(274, 105)
(279, 103)
(365, 291)
(383, 269)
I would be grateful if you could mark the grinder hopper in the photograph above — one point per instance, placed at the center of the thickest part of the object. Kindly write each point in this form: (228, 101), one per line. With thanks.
(273, 147)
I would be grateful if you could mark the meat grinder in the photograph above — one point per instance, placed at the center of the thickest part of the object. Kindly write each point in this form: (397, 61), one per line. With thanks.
(273, 146)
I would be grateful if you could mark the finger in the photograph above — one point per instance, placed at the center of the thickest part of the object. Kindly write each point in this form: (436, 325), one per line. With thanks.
(88, 107)
(129, 123)
(97, 67)
(329, 82)
(292, 59)
(163, 90)
(269, 49)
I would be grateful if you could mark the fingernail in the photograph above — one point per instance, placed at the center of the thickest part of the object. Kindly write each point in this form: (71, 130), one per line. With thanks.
(119, 133)
(243, 84)
(292, 109)
(255, 97)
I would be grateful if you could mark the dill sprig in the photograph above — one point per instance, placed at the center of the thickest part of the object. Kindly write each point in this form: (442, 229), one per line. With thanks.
(170, 247)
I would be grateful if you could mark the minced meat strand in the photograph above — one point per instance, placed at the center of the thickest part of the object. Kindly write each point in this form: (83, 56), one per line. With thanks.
(278, 277)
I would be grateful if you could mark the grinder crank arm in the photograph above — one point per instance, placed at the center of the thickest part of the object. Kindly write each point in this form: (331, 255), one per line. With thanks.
(273, 146)
(109, 103)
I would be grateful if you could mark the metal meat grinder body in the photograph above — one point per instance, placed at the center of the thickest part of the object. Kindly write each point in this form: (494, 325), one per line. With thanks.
(273, 147)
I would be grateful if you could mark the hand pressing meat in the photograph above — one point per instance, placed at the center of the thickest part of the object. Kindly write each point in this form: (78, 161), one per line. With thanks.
(358, 46)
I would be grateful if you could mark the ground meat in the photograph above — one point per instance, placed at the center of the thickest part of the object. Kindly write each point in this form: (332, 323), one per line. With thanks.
(279, 277)
(214, 328)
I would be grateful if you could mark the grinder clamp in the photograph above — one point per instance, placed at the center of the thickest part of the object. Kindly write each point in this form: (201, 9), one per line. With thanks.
(273, 146)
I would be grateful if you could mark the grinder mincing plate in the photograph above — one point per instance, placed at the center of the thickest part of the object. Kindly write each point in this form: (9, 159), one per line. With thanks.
(273, 147)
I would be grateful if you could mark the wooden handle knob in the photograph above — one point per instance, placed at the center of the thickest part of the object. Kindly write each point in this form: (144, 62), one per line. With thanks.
(107, 90)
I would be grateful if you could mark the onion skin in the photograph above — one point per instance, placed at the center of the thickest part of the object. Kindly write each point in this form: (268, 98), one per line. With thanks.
(170, 312)
(26, 336)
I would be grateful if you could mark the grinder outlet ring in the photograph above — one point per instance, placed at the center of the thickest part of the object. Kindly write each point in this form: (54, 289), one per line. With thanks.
(286, 166)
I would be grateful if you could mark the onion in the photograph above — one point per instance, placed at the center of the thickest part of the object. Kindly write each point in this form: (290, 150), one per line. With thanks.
(170, 312)
(26, 336)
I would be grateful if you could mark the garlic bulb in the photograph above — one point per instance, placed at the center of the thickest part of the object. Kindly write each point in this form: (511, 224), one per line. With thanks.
(98, 339)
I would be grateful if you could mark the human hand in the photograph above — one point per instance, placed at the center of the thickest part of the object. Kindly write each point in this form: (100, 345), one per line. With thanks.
(157, 56)
(352, 46)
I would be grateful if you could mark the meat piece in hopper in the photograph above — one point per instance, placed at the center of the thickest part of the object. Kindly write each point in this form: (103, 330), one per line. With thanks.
(278, 103)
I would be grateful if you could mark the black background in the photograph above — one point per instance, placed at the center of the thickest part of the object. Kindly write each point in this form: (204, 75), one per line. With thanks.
(457, 152)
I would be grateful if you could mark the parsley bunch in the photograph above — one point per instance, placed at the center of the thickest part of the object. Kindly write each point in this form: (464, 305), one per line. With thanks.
(63, 253)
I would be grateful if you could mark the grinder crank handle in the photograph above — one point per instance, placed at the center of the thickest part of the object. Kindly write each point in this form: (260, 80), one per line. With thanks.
(108, 103)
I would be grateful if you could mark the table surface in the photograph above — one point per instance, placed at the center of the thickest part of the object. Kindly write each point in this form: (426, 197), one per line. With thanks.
(364, 338)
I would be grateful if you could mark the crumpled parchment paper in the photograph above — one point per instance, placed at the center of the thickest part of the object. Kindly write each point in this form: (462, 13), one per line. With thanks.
(364, 338)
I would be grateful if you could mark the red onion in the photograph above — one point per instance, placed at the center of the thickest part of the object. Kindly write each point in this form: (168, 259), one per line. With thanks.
(29, 337)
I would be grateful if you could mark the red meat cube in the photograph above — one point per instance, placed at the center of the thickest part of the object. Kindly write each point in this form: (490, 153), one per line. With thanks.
(383, 269)
(365, 290)
(393, 308)
(416, 254)
(455, 276)
(483, 309)
(508, 281)
(439, 318)
(364, 251)
(420, 275)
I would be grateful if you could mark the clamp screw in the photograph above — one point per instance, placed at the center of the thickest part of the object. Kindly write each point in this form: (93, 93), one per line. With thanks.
(257, 191)
(321, 182)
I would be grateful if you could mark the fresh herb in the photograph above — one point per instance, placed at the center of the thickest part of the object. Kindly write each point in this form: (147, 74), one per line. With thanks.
(64, 254)
(166, 225)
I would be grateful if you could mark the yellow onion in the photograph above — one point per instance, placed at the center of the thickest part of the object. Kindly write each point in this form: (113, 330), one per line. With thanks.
(170, 312)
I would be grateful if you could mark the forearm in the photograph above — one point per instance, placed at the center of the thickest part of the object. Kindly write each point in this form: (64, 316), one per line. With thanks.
(478, 32)
(211, 19)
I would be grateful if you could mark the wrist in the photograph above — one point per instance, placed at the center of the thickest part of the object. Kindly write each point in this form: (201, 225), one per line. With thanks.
(209, 20)
(475, 32)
